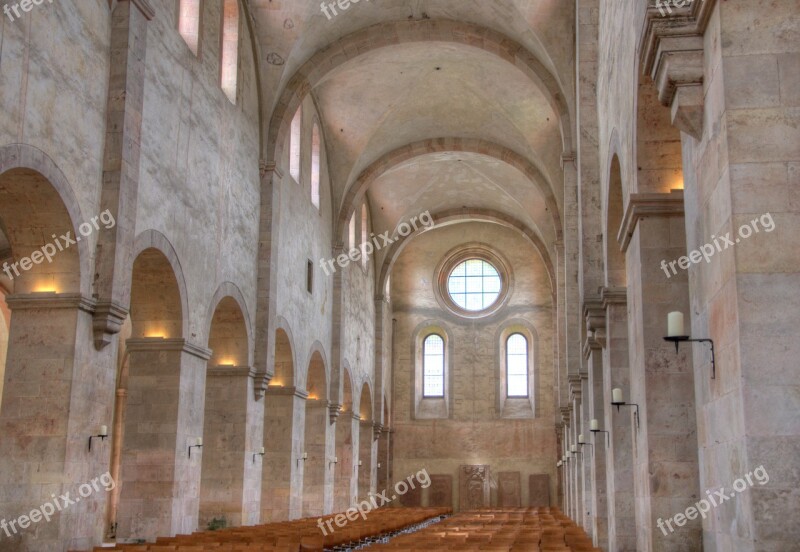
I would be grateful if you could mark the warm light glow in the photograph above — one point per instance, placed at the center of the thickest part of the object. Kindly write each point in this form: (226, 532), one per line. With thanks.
(313, 398)
(45, 288)
(276, 383)
(155, 334)
(227, 362)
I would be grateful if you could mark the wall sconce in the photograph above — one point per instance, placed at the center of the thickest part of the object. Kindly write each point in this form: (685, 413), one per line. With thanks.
(559, 464)
(101, 434)
(360, 463)
(594, 427)
(581, 442)
(302, 458)
(261, 453)
(617, 400)
(676, 334)
(574, 449)
(334, 461)
(198, 444)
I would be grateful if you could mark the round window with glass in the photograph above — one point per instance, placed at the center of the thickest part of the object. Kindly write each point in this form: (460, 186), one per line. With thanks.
(474, 285)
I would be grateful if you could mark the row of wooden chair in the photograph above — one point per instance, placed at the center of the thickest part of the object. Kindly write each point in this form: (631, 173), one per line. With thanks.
(295, 536)
(516, 530)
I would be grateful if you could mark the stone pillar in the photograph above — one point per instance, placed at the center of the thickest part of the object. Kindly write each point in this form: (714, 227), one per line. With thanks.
(356, 470)
(120, 189)
(740, 159)
(586, 458)
(662, 382)
(164, 416)
(227, 458)
(597, 451)
(317, 478)
(279, 496)
(384, 460)
(619, 457)
(58, 391)
(366, 457)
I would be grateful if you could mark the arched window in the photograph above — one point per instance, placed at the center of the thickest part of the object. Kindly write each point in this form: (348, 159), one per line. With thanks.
(433, 366)
(517, 365)
(294, 145)
(189, 23)
(364, 235)
(315, 168)
(229, 52)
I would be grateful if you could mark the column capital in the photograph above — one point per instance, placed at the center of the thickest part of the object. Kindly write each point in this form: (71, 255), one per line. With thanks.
(267, 168)
(671, 47)
(147, 344)
(228, 371)
(641, 206)
(575, 390)
(614, 296)
(109, 316)
(566, 414)
(593, 313)
(37, 301)
(334, 410)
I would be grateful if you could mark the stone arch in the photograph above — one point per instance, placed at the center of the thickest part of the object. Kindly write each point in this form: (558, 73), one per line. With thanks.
(36, 164)
(468, 215)
(284, 373)
(152, 239)
(229, 290)
(365, 402)
(615, 272)
(368, 176)
(316, 381)
(386, 34)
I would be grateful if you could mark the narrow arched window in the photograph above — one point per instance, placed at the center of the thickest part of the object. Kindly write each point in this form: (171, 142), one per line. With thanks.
(229, 52)
(364, 235)
(294, 145)
(189, 23)
(517, 365)
(315, 167)
(433, 366)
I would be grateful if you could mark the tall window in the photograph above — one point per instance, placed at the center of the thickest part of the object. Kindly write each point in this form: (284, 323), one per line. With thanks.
(517, 366)
(189, 23)
(294, 145)
(352, 232)
(229, 56)
(315, 168)
(364, 234)
(433, 366)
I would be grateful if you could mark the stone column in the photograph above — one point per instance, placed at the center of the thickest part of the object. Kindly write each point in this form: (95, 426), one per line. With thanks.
(164, 416)
(120, 188)
(662, 382)
(740, 160)
(317, 478)
(586, 457)
(597, 451)
(356, 470)
(57, 393)
(279, 494)
(619, 457)
(366, 456)
(227, 458)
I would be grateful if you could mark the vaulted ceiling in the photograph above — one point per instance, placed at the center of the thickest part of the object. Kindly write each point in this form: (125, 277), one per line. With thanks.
(429, 105)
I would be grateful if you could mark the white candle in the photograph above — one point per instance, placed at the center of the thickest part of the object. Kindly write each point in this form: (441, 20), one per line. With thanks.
(103, 431)
(559, 464)
(305, 456)
(617, 396)
(335, 459)
(573, 448)
(199, 441)
(594, 425)
(262, 451)
(580, 439)
(675, 324)
(569, 454)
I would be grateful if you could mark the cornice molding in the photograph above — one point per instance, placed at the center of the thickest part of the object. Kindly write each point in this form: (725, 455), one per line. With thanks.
(158, 344)
(46, 301)
(226, 371)
(645, 205)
